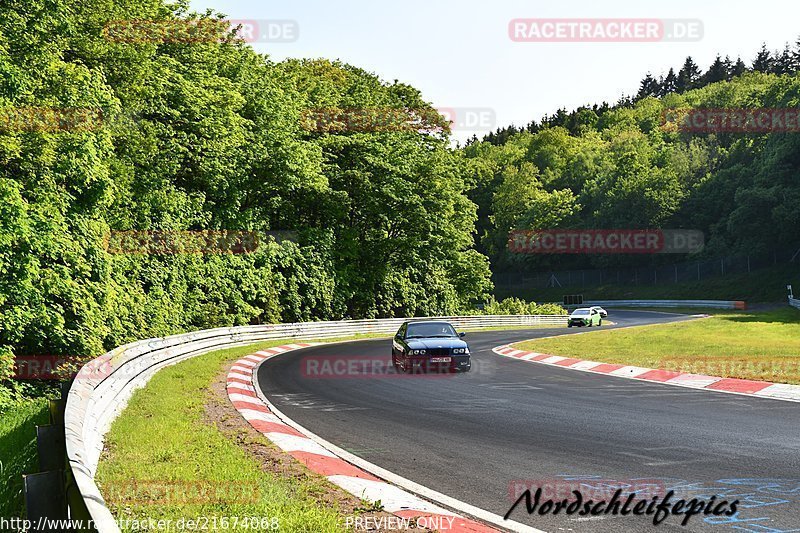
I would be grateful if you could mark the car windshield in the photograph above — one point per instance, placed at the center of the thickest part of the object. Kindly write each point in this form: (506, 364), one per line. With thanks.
(581, 312)
(430, 329)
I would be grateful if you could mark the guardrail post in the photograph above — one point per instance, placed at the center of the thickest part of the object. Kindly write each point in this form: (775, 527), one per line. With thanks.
(57, 411)
(44, 497)
(65, 386)
(51, 447)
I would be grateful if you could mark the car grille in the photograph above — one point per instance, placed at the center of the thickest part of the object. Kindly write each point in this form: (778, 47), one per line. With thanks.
(436, 352)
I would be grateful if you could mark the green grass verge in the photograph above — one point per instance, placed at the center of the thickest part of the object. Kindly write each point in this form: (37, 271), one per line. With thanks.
(18, 451)
(748, 345)
(162, 437)
(764, 285)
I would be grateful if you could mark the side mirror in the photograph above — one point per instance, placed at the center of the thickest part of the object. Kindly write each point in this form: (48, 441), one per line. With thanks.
(462, 334)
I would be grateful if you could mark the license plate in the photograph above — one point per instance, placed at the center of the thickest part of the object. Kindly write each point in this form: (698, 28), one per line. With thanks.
(440, 359)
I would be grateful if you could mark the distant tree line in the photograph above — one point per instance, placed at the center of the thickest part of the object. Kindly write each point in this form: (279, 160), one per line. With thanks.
(630, 167)
(690, 76)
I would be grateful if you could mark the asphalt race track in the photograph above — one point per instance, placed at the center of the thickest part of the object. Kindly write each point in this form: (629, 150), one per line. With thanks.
(477, 436)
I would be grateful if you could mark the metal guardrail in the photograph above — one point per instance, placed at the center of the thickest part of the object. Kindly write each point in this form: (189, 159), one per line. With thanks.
(712, 304)
(104, 386)
(794, 302)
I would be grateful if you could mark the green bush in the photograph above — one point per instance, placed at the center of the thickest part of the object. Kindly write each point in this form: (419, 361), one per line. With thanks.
(517, 306)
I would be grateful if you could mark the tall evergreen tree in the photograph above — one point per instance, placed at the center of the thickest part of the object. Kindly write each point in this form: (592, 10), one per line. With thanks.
(688, 76)
(728, 64)
(739, 68)
(717, 72)
(648, 87)
(669, 84)
(796, 54)
(784, 62)
(763, 61)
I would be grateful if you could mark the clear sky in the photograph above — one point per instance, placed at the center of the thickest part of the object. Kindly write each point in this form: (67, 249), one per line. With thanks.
(460, 55)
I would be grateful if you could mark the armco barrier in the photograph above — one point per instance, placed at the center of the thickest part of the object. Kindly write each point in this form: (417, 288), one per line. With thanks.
(96, 400)
(794, 302)
(710, 304)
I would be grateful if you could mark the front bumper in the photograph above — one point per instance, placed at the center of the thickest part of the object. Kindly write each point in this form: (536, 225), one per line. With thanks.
(457, 363)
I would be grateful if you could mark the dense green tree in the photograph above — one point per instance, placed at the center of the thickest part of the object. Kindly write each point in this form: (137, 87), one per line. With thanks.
(203, 134)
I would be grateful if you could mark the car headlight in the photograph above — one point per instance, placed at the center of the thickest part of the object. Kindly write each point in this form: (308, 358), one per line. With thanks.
(460, 350)
(417, 352)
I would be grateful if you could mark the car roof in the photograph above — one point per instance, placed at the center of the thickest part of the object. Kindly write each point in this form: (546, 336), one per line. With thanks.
(428, 322)
(582, 309)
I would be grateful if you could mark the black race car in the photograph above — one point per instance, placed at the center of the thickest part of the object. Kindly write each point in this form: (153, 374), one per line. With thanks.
(425, 345)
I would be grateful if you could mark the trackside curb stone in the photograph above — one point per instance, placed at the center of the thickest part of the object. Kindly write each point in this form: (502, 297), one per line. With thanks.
(761, 389)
